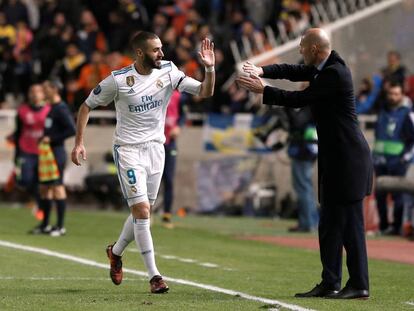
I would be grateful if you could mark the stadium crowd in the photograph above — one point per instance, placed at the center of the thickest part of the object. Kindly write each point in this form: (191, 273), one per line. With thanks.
(78, 42)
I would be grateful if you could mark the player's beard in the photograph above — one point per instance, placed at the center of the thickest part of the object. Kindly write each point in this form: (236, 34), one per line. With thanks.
(148, 62)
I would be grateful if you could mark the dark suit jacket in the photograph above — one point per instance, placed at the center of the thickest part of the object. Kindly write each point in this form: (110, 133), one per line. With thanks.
(344, 160)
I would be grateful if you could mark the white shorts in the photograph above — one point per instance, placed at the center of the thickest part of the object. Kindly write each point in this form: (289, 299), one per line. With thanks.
(140, 169)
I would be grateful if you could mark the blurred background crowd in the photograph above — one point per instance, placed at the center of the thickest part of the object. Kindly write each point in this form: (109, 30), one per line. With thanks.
(79, 42)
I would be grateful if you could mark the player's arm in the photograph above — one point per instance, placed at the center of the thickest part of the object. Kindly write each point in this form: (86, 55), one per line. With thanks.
(79, 148)
(207, 57)
(102, 95)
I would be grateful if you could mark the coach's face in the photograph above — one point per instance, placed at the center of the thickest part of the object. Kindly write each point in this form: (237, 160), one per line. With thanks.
(153, 54)
(308, 51)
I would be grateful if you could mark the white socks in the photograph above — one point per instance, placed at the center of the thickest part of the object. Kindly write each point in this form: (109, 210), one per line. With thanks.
(140, 230)
(127, 235)
(143, 239)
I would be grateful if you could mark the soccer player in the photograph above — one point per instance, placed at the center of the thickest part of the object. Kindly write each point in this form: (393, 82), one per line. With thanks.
(141, 93)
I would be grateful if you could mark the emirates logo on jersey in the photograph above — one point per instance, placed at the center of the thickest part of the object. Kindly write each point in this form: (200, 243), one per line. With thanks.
(159, 84)
(130, 81)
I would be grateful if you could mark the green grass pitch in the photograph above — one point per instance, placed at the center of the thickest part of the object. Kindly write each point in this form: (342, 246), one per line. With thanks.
(31, 281)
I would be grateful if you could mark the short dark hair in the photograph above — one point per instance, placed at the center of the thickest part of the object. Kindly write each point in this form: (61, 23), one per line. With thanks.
(55, 84)
(394, 83)
(139, 40)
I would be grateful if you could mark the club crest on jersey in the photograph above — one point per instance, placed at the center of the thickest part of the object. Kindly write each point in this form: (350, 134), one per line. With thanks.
(130, 81)
(134, 189)
(97, 89)
(159, 84)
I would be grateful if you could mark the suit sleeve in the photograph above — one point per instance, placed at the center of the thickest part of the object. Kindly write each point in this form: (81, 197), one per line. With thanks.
(289, 72)
(324, 87)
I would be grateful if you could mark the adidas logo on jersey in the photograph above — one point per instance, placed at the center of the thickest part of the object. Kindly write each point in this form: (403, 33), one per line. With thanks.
(131, 91)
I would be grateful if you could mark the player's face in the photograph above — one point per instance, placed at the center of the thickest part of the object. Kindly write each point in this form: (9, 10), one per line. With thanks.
(36, 94)
(153, 54)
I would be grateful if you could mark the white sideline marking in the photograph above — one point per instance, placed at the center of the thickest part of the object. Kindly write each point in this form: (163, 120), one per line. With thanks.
(93, 263)
(410, 303)
(187, 260)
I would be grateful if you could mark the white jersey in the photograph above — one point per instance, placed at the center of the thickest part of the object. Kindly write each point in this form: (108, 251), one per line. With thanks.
(141, 100)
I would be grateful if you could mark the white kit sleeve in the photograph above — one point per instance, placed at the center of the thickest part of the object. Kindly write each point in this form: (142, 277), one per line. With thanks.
(183, 83)
(103, 94)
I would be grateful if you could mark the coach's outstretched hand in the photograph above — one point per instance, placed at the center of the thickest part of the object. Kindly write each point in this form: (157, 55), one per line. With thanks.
(252, 70)
(207, 53)
(77, 151)
(251, 83)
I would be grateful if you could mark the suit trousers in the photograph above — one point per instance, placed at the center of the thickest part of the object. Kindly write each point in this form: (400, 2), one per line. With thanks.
(341, 226)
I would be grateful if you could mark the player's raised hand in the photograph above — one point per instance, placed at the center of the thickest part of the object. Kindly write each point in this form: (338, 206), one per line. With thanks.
(207, 53)
(252, 70)
(77, 151)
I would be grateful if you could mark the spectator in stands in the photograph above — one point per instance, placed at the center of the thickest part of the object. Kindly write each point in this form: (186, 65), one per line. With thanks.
(24, 38)
(118, 31)
(393, 151)
(159, 24)
(173, 121)
(59, 126)
(169, 40)
(109, 27)
(259, 11)
(367, 94)
(6, 71)
(135, 14)
(90, 38)
(51, 43)
(15, 11)
(303, 151)
(92, 73)
(115, 60)
(394, 71)
(178, 12)
(30, 122)
(72, 63)
(7, 34)
(21, 74)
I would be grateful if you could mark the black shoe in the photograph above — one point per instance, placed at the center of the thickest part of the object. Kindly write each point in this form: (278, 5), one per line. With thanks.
(318, 291)
(350, 293)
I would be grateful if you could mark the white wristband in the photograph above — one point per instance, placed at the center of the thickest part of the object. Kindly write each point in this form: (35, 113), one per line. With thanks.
(209, 69)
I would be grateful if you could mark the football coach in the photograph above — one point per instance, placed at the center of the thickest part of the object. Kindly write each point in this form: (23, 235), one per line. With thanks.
(344, 161)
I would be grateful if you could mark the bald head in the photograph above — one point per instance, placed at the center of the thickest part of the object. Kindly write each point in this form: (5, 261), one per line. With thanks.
(315, 46)
(318, 37)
